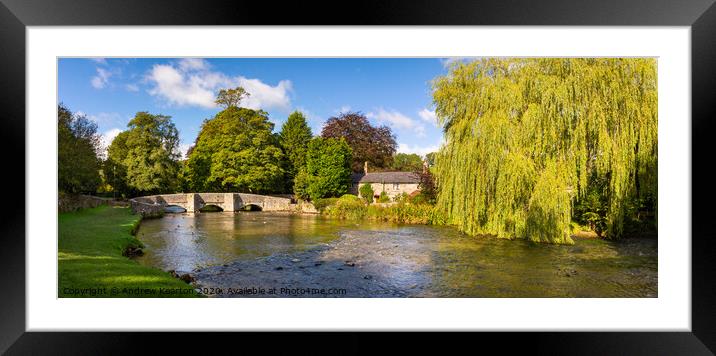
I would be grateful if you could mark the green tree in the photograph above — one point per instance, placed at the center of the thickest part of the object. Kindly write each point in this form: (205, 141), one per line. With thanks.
(144, 159)
(231, 97)
(78, 145)
(328, 168)
(300, 185)
(115, 172)
(524, 136)
(237, 151)
(430, 159)
(366, 192)
(294, 137)
(407, 162)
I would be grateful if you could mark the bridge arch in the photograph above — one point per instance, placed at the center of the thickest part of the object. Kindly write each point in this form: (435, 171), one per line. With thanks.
(195, 202)
(173, 208)
(251, 207)
(211, 208)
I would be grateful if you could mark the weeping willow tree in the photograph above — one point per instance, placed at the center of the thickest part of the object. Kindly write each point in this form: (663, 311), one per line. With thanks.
(527, 139)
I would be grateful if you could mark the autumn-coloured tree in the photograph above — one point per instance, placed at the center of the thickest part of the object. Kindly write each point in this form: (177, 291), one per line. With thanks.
(376, 145)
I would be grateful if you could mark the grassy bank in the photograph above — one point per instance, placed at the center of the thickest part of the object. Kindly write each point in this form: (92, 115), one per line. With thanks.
(91, 264)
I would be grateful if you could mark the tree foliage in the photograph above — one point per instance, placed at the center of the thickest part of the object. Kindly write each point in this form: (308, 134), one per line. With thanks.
(366, 192)
(526, 139)
(430, 159)
(328, 171)
(407, 162)
(426, 184)
(231, 97)
(236, 151)
(144, 159)
(294, 137)
(78, 145)
(375, 145)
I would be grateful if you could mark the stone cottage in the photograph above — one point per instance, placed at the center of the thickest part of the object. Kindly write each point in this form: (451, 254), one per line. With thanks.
(392, 183)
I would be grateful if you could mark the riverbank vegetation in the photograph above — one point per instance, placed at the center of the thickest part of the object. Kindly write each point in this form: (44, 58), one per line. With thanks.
(351, 207)
(91, 243)
(530, 142)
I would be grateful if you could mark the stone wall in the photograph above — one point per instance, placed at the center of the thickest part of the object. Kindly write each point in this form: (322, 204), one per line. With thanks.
(68, 202)
(145, 209)
(304, 207)
(388, 188)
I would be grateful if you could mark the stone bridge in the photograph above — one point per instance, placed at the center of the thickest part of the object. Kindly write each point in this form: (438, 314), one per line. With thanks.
(193, 202)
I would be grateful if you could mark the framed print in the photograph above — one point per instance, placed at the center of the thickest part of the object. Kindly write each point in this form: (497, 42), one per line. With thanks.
(446, 168)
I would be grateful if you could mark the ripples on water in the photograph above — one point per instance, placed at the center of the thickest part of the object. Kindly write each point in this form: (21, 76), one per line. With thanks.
(454, 264)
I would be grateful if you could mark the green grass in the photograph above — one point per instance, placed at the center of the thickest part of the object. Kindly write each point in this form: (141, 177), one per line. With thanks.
(90, 261)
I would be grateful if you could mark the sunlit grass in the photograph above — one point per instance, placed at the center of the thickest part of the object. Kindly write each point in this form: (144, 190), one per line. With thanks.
(90, 247)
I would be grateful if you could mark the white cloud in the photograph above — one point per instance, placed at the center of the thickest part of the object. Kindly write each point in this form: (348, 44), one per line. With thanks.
(264, 96)
(428, 116)
(420, 131)
(397, 120)
(100, 80)
(343, 109)
(421, 150)
(392, 118)
(183, 148)
(105, 118)
(187, 64)
(106, 140)
(191, 83)
(99, 60)
(131, 87)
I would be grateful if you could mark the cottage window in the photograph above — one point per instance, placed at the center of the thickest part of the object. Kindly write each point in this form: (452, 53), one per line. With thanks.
(396, 186)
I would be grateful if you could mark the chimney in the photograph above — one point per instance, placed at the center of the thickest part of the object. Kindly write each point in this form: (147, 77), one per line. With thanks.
(365, 167)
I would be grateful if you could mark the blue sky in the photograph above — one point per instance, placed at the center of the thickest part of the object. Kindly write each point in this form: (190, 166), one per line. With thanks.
(389, 91)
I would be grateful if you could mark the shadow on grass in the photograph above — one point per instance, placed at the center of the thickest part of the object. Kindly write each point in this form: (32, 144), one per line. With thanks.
(90, 261)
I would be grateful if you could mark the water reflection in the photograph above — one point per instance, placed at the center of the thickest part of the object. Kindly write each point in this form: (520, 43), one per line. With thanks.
(425, 261)
(187, 241)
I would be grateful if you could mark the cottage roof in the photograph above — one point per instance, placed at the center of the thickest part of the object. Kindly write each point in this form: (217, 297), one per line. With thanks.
(385, 177)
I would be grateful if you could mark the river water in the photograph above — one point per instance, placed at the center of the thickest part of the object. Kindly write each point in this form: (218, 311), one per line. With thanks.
(256, 250)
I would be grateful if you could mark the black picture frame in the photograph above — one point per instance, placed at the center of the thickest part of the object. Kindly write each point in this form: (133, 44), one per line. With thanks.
(700, 15)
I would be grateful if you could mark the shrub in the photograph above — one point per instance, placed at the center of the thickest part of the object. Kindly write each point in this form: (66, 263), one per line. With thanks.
(366, 191)
(419, 199)
(400, 198)
(300, 185)
(347, 207)
(402, 213)
(384, 198)
(321, 204)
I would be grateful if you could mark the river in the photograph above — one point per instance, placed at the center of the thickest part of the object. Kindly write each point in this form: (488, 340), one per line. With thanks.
(251, 254)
